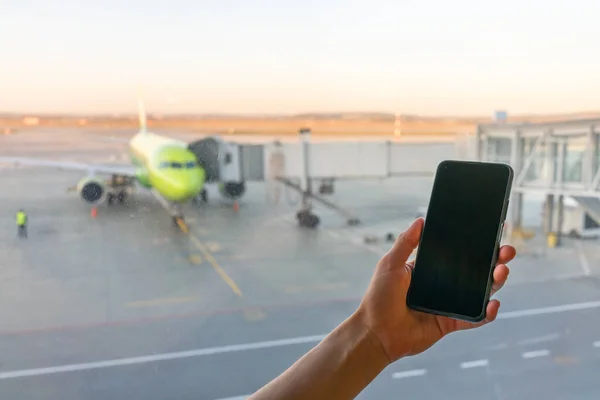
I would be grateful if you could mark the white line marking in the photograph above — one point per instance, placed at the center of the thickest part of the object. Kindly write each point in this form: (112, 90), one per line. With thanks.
(536, 353)
(159, 357)
(474, 364)
(252, 346)
(539, 339)
(408, 374)
(597, 344)
(549, 310)
(585, 265)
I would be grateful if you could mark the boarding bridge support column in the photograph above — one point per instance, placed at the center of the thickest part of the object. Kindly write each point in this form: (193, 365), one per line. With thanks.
(560, 218)
(548, 213)
(560, 149)
(515, 211)
(478, 144)
(305, 216)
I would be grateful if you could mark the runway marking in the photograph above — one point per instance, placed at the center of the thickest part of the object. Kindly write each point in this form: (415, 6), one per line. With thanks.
(535, 354)
(409, 374)
(211, 260)
(182, 225)
(474, 364)
(549, 310)
(155, 302)
(159, 357)
(585, 265)
(597, 344)
(540, 339)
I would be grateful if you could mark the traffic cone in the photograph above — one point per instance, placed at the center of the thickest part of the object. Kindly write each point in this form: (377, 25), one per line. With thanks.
(94, 212)
(236, 206)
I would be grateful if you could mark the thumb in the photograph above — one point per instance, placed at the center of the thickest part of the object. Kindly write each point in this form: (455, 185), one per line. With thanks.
(406, 243)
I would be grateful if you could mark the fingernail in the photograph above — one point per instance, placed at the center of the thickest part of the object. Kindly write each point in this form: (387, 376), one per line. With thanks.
(415, 223)
(412, 229)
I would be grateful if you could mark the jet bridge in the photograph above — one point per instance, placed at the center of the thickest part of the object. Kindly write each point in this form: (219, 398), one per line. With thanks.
(311, 167)
(555, 159)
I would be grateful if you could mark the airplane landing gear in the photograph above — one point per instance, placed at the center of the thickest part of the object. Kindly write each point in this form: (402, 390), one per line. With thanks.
(307, 219)
(202, 197)
(112, 198)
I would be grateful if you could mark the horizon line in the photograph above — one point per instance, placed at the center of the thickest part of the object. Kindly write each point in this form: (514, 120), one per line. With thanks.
(321, 114)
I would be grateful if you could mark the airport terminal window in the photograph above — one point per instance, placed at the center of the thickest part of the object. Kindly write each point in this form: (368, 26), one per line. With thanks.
(590, 223)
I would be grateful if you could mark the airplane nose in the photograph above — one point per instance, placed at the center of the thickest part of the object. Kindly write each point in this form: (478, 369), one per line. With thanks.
(184, 189)
(181, 191)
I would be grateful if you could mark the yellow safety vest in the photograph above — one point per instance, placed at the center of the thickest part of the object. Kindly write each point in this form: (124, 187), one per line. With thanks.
(21, 218)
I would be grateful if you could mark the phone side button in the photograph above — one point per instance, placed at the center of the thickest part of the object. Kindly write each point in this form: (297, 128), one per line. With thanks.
(501, 232)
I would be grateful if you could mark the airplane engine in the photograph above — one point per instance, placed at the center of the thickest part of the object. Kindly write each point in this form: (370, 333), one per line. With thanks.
(92, 190)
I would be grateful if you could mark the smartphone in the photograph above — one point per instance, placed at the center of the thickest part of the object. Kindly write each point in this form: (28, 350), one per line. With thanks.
(458, 251)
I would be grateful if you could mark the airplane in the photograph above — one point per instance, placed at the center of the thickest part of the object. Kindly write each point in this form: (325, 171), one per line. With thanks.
(164, 165)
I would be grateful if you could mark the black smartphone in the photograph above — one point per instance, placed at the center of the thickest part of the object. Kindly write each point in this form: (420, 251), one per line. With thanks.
(458, 251)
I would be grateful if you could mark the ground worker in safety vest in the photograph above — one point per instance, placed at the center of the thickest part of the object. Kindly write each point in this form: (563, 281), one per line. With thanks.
(22, 223)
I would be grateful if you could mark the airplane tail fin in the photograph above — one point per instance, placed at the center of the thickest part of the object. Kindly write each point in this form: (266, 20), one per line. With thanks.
(142, 116)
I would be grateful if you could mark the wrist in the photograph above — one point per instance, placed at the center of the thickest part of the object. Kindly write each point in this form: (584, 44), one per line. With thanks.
(369, 340)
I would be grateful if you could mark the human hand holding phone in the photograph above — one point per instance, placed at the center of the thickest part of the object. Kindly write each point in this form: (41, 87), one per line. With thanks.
(400, 330)
(381, 330)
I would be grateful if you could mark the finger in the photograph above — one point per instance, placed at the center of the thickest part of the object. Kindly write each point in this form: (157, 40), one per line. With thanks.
(406, 243)
(491, 312)
(506, 254)
(501, 273)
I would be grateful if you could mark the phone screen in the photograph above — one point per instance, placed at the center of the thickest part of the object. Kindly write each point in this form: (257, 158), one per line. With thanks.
(458, 243)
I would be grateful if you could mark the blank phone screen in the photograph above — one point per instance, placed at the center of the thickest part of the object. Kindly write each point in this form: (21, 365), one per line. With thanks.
(456, 252)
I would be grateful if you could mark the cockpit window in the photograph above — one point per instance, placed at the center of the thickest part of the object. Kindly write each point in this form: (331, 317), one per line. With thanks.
(177, 165)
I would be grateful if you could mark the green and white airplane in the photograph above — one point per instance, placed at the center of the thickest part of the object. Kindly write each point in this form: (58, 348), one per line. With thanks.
(164, 165)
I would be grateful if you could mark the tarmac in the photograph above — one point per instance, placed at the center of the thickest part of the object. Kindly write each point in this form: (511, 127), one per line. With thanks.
(124, 305)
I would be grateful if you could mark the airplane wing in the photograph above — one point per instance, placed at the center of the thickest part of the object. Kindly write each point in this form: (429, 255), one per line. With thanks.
(92, 169)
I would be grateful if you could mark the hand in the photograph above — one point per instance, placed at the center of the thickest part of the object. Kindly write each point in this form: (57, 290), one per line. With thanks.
(399, 330)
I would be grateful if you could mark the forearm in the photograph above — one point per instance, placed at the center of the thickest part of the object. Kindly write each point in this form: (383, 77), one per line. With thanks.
(338, 368)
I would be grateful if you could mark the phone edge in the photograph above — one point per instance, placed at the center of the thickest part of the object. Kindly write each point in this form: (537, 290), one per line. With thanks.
(486, 300)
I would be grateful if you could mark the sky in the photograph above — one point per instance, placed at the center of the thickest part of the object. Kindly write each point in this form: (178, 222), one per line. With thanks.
(430, 57)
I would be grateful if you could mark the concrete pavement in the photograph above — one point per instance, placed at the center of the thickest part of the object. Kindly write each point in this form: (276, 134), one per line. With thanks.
(192, 357)
(125, 306)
